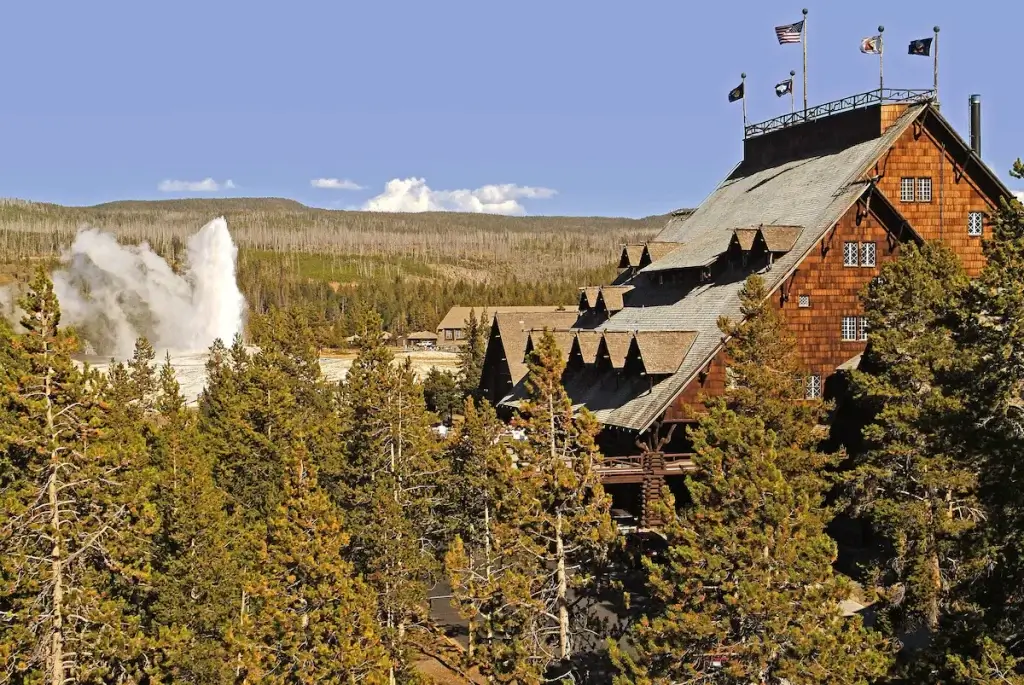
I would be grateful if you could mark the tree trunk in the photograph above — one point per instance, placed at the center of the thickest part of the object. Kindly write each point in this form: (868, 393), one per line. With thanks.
(563, 607)
(56, 552)
(487, 562)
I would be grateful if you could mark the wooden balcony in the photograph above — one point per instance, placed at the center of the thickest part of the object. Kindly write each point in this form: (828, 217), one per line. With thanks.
(638, 467)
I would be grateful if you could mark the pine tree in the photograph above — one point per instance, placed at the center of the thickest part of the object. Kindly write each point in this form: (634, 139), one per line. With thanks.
(914, 480)
(768, 382)
(566, 524)
(441, 393)
(198, 554)
(71, 518)
(748, 593)
(471, 356)
(489, 573)
(389, 489)
(309, 620)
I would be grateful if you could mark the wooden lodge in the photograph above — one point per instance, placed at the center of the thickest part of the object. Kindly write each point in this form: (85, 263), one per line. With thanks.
(820, 201)
(451, 332)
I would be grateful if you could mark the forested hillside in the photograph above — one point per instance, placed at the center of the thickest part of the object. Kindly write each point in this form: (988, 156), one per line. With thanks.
(409, 267)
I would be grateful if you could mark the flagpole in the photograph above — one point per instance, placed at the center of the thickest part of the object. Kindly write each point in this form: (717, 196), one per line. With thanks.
(803, 41)
(935, 86)
(792, 92)
(743, 85)
(881, 50)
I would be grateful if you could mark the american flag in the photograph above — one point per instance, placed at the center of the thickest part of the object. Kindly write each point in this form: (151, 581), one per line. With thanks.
(790, 33)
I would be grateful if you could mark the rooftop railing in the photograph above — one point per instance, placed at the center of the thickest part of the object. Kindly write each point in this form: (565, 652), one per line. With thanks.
(873, 97)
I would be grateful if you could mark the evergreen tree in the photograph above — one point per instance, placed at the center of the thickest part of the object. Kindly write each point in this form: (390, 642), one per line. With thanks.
(489, 573)
(768, 382)
(914, 480)
(198, 554)
(309, 621)
(441, 393)
(471, 355)
(566, 524)
(389, 489)
(748, 594)
(71, 517)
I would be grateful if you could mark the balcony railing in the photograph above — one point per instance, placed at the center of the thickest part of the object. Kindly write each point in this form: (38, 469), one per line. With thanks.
(873, 97)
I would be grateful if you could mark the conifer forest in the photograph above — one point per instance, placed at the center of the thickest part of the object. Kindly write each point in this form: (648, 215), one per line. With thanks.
(287, 529)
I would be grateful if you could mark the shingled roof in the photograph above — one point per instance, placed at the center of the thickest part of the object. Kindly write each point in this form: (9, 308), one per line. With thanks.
(457, 316)
(653, 251)
(631, 255)
(563, 341)
(780, 238)
(745, 237)
(811, 193)
(588, 296)
(611, 296)
(663, 351)
(587, 342)
(514, 329)
(614, 347)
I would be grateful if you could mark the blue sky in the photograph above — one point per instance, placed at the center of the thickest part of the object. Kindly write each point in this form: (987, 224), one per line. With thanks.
(618, 108)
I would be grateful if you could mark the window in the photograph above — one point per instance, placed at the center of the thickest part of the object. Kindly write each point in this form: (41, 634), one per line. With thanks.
(975, 222)
(850, 328)
(862, 328)
(812, 387)
(459, 334)
(805, 300)
(849, 254)
(867, 254)
(916, 189)
(906, 190)
(859, 254)
(924, 190)
(448, 334)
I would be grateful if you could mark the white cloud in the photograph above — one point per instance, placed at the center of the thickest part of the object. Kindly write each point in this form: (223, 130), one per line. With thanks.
(414, 195)
(207, 185)
(335, 184)
(1019, 194)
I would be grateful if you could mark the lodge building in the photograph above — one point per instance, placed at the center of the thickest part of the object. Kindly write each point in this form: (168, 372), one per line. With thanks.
(820, 201)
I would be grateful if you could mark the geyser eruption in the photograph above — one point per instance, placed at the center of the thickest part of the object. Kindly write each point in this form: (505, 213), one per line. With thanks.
(116, 293)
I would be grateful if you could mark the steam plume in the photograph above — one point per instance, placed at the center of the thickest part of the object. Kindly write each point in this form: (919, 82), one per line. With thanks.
(116, 293)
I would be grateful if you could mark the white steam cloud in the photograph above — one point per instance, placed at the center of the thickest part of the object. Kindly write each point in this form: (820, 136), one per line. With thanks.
(413, 195)
(116, 293)
(207, 185)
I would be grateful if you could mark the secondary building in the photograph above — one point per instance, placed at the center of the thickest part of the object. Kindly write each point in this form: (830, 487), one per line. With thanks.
(451, 332)
(820, 201)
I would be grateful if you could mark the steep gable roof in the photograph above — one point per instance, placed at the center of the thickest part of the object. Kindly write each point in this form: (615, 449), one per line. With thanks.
(780, 238)
(563, 341)
(631, 255)
(611, 296)
(745, 237)
(613, 348)
(663, 351)
(514, 329)
(587, 343)
(654, 251)
(811, 192)
(588, 297)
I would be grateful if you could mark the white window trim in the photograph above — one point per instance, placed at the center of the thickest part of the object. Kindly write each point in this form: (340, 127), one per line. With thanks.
(863, 254)
(812, 387)
(848, 329)
(848, 253)
(905, 196)
(970, 225)
(803, 301)
(918, 194)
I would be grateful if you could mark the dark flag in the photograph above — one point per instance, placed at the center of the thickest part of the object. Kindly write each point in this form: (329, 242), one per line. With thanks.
(790, 33)
(922, 46)
(736, 93)
(784, 87)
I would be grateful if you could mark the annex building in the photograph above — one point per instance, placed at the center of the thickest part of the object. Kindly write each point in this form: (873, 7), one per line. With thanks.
(821, 199)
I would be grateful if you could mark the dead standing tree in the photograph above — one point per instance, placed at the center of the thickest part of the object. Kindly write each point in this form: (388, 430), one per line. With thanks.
(60, 515)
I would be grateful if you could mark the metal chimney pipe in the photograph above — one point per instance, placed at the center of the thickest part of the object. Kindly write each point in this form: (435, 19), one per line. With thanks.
(976, 124)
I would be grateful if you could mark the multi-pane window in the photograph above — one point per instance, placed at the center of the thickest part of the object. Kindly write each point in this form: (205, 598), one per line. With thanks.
(805, 300)
(975, 222)
(850, 328)
(916, 189)
(849, 254)
(855, 328)
(906, 190)
(924, 189)
(812, 387)
(858, 254)
(867, 254)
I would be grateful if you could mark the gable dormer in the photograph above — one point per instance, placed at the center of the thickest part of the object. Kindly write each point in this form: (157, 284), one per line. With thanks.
(612, 350)
(631, 256)
(610, 298)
